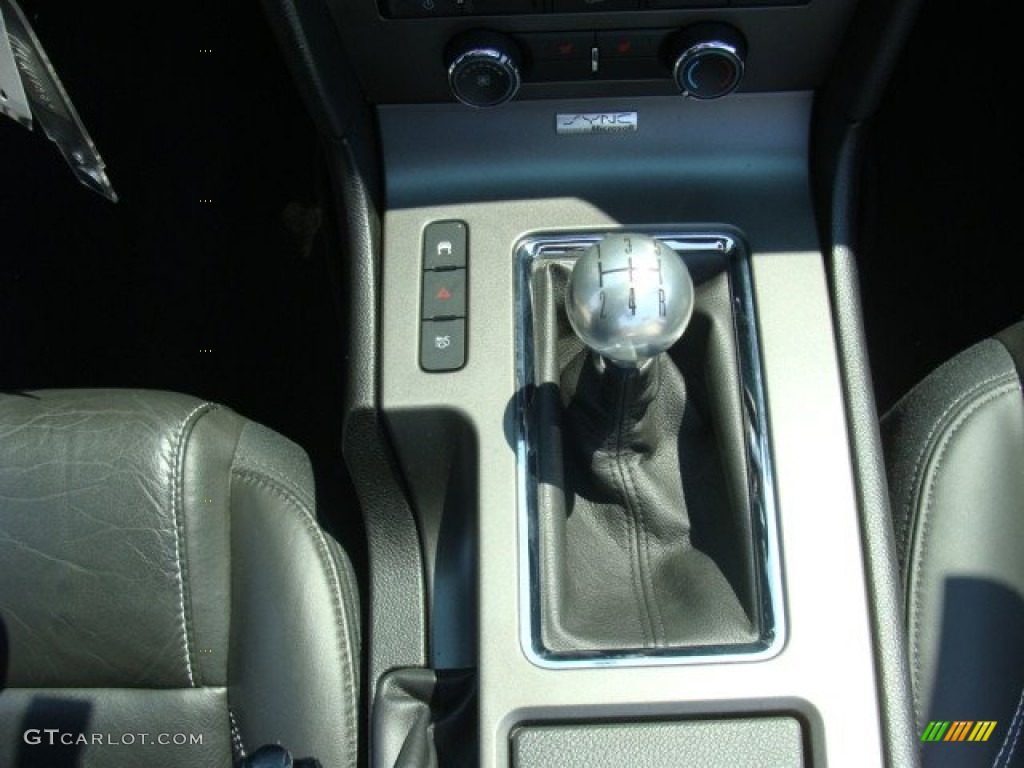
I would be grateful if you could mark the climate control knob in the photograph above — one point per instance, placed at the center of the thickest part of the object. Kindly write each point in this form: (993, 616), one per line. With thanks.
(483, 68)
(707, 60)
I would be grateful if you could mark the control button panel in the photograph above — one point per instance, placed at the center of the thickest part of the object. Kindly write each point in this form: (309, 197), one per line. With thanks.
(485, 68)
(629, 54)
(672, 4)
(592, 6)
(419, 9)
(444, 305)
(559, 56)
(630, 44)
(560, 46)
(500, 7)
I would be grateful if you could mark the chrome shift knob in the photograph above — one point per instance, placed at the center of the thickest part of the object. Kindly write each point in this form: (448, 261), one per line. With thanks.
(629, 298)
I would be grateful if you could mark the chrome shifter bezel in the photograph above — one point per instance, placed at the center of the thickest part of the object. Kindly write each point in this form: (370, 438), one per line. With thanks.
(770, 622)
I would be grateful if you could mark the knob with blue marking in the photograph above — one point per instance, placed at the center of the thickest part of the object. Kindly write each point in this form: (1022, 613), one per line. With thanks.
(707, 59)
(629, 298)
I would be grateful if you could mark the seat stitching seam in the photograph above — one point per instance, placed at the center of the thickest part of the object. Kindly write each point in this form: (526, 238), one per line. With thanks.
(276, 473)
(312, 527)
(341, 622)
(1015, 729)
(939, 453)
(351, 594)
(177, 512)
(236, 735)
(926, 449)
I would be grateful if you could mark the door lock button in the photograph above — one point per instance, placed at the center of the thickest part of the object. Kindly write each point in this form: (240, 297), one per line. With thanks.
(444, 245)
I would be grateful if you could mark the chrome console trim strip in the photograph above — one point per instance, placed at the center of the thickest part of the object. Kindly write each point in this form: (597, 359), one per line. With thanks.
(771, 619)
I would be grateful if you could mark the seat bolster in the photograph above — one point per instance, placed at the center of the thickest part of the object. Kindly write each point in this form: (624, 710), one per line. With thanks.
(294, 662)
(916, 424)
(205, 490)
(955, 449)
(94, 538)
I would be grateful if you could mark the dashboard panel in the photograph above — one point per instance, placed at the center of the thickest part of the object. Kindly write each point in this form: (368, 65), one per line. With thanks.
(405, 60)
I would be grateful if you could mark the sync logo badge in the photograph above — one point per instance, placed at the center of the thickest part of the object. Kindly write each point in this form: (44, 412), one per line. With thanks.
(596, 122)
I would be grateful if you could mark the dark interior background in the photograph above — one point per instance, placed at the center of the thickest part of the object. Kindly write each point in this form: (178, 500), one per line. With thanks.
(939, 260)
(134, 294)
(130, 295)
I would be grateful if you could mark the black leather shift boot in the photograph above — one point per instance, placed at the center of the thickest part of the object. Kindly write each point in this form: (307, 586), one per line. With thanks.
(622, 459)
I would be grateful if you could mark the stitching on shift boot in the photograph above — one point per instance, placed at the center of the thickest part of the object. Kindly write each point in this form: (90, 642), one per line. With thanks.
(636, 555)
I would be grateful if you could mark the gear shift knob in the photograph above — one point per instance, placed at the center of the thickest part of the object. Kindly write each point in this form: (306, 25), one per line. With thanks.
(629, 298)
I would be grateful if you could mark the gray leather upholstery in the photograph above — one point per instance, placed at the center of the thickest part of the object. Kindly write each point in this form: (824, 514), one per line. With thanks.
(955, 454)
(162, 572)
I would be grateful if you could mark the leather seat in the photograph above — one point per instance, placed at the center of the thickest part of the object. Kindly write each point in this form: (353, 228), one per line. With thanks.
(167, 597)
(955, 454)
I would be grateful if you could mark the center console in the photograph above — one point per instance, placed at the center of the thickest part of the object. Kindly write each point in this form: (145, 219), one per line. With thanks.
(736, 166)
(618, 567)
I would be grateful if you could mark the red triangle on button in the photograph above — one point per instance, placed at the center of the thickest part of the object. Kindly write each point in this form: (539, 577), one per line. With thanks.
(444, 294)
